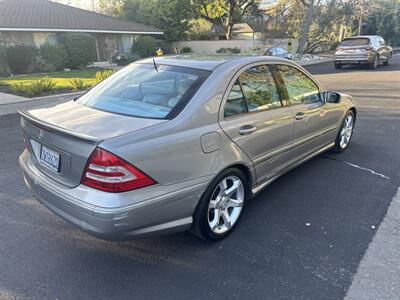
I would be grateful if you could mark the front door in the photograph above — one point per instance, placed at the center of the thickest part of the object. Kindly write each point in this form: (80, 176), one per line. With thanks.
(258, 122)
(315, 123)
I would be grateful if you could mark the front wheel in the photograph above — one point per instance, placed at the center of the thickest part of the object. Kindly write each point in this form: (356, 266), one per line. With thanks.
(221, 205)
(345, 133)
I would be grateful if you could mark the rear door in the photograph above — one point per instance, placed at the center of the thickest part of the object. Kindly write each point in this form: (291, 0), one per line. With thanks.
(256, 119)
(315, 122)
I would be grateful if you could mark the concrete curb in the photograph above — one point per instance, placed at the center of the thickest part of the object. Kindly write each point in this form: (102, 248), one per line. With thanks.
(378, 274)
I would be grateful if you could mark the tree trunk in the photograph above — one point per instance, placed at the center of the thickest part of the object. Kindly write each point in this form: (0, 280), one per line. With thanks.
(229, 20)
(228, 32)
(306, 27)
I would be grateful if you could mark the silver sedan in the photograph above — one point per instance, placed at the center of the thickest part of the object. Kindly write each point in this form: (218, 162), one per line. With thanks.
(177, 143)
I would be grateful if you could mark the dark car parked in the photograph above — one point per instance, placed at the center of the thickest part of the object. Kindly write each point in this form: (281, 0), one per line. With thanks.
(280, 52)
(363, 50)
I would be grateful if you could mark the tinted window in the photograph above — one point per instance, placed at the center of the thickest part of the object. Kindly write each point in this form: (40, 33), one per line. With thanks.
(141, 90)
(300, 88)
(235, 104)
(259, 88)
(355, 42)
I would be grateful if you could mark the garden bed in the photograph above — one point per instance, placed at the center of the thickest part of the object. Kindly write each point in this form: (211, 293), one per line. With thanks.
(60, 82)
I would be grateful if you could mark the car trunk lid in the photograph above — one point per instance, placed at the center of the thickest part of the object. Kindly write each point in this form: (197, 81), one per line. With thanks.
(62, 138)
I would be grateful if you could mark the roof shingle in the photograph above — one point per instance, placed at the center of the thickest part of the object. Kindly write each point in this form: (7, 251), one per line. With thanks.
(47, 15)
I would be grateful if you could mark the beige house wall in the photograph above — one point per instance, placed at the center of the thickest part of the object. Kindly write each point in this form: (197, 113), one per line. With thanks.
(210, 47)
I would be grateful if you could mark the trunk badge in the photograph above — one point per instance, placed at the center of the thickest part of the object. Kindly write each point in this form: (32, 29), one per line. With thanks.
(41, 134)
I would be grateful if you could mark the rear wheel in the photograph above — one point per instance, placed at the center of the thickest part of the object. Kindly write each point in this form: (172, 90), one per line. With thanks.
(386, 62)
(220, 207)
(345, 133)
(338, 66)
(375, 62)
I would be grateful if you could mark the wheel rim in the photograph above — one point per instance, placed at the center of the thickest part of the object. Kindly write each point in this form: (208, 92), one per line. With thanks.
(346, 132)
(226, 204)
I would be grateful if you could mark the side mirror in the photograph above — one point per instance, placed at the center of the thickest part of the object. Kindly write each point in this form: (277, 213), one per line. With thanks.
(332, 97)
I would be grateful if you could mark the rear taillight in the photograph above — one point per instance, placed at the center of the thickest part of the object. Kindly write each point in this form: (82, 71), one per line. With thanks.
(107, 172)
(339, 49)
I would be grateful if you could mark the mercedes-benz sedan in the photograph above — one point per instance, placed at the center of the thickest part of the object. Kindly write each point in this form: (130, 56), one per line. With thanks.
(179, 143)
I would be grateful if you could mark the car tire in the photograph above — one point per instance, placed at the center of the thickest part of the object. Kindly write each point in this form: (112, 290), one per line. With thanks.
(338, 66)
(345, 132)
(375, 63)
(215, 216)
(386, 62)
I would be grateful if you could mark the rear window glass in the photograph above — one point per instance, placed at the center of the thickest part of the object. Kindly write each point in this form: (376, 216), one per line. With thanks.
(145, 90)
(355, 42)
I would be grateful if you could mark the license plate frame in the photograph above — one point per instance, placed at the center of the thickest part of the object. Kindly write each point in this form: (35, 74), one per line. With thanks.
(50, 159)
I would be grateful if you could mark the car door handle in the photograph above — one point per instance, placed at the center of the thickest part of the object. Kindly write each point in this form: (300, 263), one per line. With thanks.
(300, 116)
(247, 129)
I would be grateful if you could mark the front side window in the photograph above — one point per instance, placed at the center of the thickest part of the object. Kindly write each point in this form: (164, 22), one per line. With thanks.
(300, 88)
(142, 90)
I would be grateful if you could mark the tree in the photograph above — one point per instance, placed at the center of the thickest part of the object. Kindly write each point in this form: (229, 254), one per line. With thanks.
(110, 7)
(383, 18)
(310, 7)
(225, 13)
(171, 16)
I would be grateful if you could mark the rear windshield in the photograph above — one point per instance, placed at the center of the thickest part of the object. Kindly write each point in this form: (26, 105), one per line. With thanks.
(146, 90)
(355, 42)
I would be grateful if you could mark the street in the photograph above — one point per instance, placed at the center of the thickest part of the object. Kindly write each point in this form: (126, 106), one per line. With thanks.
(303, 237)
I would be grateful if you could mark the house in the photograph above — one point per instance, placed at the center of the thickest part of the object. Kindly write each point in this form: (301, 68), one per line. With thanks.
(35, 22)
(240, 31)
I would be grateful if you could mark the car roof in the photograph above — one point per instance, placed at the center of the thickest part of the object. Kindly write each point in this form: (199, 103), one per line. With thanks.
(209, 62)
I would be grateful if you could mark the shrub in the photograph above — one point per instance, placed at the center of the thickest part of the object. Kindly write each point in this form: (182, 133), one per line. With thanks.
(80, 49)
(18, 88)
(20, 57)
(77, 84)
(229, 50)
(101, 75)
(186, 49)
(54, 57)
(4, 71)
(144, 46)
(35, 88)
(46, 83)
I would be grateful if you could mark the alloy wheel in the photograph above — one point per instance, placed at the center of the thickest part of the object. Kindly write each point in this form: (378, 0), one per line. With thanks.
(347, 131)
(226, 204)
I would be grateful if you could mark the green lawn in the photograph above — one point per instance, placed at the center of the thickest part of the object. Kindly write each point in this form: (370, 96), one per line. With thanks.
(61, 78)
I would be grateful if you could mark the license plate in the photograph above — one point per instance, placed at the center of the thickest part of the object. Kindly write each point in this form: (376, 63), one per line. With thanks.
(50, 158)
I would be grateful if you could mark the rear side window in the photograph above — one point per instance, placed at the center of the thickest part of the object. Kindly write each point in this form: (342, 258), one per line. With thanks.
(259, 88)
(300, 88)
(254, 90)
(355, 42)
(235, 104)
(144, 90)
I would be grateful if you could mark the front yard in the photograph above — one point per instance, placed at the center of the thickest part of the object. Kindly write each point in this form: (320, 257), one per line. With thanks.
(53, 83)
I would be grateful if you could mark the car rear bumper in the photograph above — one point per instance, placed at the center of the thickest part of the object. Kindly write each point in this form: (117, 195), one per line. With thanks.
(166, 212)
(354, 59)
